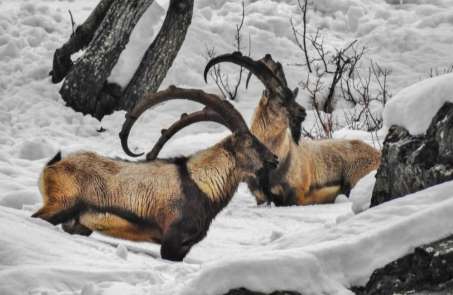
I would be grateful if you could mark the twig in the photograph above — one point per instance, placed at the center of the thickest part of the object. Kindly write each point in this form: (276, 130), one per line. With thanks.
(222, 80)
(73, 24)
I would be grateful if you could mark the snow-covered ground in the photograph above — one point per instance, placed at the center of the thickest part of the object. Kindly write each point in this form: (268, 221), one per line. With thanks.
(313, 249)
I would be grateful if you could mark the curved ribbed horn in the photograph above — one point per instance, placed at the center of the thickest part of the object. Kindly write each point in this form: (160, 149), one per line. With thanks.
(275, 67)
(259, 69)
(204, 115)
(232, 118)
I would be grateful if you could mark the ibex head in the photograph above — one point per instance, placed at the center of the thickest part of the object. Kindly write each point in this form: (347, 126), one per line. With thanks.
(251, 156)
(277, 97)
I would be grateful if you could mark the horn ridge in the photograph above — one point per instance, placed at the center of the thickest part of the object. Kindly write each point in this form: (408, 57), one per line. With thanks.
(258, 68)
(204, 115)
(232, 118)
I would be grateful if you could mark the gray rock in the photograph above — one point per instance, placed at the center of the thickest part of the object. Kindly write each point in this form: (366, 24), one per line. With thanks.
(429, 270)
(412, 163)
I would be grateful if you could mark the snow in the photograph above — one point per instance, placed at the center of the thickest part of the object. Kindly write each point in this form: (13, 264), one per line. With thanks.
(121, 251)
(322, 249)
(362, 192)
(146, 29)
(314, 253)
(338, 256)
(414, 107)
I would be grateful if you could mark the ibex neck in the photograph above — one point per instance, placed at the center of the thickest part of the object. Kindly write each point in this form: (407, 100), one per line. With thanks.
(271, 131)
(215, 173)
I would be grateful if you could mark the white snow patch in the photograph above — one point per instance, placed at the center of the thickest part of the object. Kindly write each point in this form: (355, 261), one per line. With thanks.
(415, 106)
(362, 192)
(17, 199)
(341, 199)
(140, 39)
(121, 251)
(35, 149)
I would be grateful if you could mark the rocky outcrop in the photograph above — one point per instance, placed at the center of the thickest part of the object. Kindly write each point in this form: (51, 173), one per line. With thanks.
(412, 163)
(429, 270)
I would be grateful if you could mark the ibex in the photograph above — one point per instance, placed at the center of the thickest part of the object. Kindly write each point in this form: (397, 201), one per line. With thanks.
(310, 171)
(168, 201)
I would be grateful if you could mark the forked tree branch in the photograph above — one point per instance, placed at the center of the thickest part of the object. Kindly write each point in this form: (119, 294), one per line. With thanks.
(80, 38)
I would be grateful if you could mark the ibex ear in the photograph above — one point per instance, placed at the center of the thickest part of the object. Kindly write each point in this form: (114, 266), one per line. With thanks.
(295, 92)
(55, 159)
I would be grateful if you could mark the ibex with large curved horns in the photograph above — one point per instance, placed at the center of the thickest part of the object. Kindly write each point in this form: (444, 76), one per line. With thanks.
(310, 171)
(169, 201)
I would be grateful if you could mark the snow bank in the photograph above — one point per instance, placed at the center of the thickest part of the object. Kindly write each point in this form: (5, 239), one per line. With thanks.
(415, 106)
(344, 255)
(265, 272)
(36, 258)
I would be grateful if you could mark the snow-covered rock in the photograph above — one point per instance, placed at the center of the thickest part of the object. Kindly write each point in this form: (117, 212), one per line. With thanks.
(428, 270)
(414, 107)
(412, 163)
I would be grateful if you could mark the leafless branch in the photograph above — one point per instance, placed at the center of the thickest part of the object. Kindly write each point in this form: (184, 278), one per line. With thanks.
(333, 75)
(222, 80)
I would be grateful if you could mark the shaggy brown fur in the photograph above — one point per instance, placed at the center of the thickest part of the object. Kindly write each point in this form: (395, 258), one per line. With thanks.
(168, 201)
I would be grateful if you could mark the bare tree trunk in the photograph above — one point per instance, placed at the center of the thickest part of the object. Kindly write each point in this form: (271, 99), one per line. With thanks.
(106, 33)
(159, 57)
(83, 35)
(83, 85)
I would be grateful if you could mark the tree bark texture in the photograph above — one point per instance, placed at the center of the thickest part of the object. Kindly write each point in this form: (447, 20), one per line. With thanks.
(82, 36)
(159, 57)
(83, 85)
